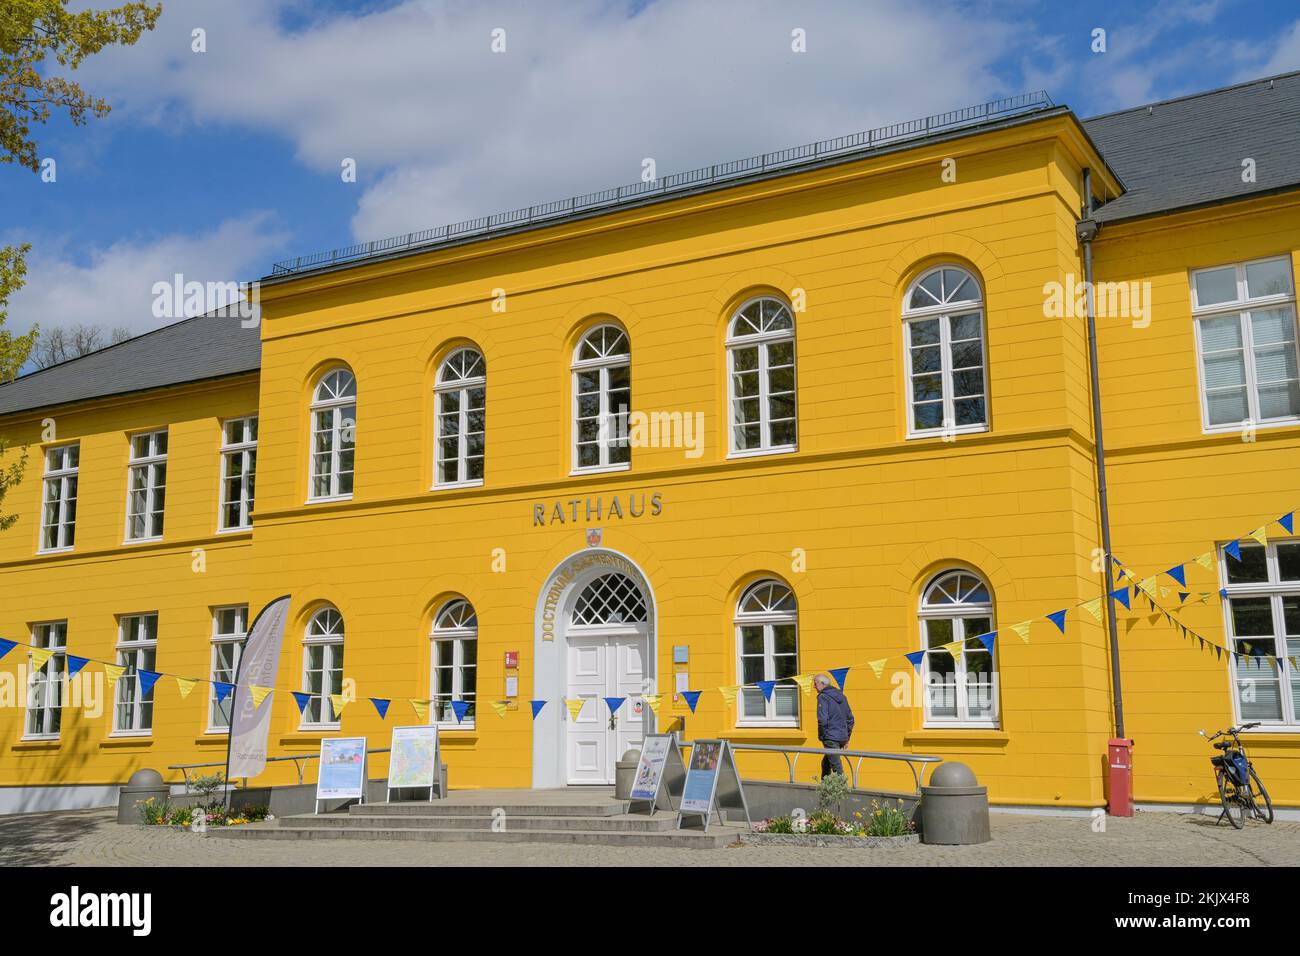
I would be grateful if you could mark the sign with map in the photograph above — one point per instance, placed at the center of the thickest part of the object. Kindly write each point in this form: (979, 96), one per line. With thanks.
(413, 759)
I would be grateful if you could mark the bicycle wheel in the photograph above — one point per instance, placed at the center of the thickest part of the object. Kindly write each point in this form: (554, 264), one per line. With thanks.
(1264, 812)
(1233, 808)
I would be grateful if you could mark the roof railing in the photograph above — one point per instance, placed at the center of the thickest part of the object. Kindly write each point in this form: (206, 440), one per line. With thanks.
(865, 142)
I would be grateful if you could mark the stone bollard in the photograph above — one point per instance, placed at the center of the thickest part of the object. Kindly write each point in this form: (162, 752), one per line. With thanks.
(625, 774)
(143, 785)
(954, 808)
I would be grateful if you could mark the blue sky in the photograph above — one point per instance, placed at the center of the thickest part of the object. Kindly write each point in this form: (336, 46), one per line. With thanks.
(216, 164)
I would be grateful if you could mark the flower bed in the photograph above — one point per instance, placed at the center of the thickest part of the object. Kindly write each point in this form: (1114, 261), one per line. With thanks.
(831, 839)
(155, 814)
(887, 825)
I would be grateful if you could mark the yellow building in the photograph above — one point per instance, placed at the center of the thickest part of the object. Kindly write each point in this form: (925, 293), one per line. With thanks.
(815, 410)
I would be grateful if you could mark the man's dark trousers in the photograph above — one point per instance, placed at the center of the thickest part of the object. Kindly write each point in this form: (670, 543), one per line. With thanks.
(831, 762)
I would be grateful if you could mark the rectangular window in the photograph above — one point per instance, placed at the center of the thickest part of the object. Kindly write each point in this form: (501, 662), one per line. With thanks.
(769, 652)
(455, 677)
(238, 470)
(137, 650)
(229, 631)
(146, 486)
(45, 688)
(322, 676)
(959, 691)
(59, 498)
(1245, 318)
(1263, 622)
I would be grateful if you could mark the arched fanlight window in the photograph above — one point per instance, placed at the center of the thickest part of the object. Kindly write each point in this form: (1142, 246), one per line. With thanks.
(333, 435)
(956, 609)
(454, 662)
(602, 398)
(761, 376)
(610, 599)
(461, 396)
(947, 391)
(767, 648)
(322, 666)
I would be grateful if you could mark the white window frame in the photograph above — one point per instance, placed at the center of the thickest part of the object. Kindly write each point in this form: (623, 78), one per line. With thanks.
(244, 449)
(959, 614)
(59, 488)
(1242, 306)
(129, 653)
(153, 465)
(221, 640)
(342, 432)
(945, 312)
(602, 365)
(1275, 589)
(330, 640)
(51, 635)
(768, 621)
(452, 625)
(762, 341)
(452, 380)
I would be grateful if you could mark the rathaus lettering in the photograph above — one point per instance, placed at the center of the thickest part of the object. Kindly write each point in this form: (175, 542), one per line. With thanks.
(596, 509)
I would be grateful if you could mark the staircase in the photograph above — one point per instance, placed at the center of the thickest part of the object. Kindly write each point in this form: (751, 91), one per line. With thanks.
(521, 816)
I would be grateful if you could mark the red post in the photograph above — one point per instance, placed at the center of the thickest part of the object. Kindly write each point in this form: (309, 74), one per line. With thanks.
(1120, 772)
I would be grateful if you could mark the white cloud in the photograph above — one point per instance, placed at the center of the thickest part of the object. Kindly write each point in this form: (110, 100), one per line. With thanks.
(114, 286)
(1284, 58)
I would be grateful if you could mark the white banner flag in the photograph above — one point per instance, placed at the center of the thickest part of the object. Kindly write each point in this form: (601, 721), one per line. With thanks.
(250, 724)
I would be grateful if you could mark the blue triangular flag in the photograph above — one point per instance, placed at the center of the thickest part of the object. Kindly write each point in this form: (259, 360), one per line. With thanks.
(1218, 652)
(987, 640)
(692, 698)
(75, 664)
(1288, 521)
(147, 680)
(614, 703)
(301, 699)
(1058, 618)
(1257, 651)
(460, 708)
(1183, 596)
(6, 646)
(766, 687)
(840, 674)
(537, 707)
(221, 687)
(1178, 574)
(916, 657)
(1121, 595)
(1223, 593)
(381, 705)
(1233, 548)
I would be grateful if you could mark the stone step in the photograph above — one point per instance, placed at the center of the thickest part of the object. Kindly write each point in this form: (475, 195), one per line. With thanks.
(483, 821)
(671, 838)
(438, 808)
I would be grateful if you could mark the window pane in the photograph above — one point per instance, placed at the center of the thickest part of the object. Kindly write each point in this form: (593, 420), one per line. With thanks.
(1279, 401)
(1224, 369)
(1216, 285)
(1251, 617)
(1268, 278)
(1288, 561)
(1227, 407)
(1251, 569)
(1223, 333)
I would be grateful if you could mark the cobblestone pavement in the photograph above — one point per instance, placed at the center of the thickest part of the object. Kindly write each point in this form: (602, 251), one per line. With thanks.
(93, 838)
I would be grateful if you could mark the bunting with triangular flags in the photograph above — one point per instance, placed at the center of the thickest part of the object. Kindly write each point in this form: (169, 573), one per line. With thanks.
(381, 705)
(766, 686)
(955, 648)
(1179, 573)
(729, 693)
(222, 689)
(1205, 560)
(113, 673)
(460, 708)
(1287, 521)
(613, 703)
(185, 685)
(1121, 595)
(1093, 607)
(1022, 629)
(6, 646)
(805, 682)
(840, 675)
(692, 697)
(987, 640)
(421, 707)
(878, 666)
(258, 694)
(652, 701)
(916, 657)
(574, 707)
(1058, 618)
(537, 706)
(40, 657)
(338, 702)
(301, 699)
(1233, 549)
(501, 706)
(75, 664)
(1260, 534)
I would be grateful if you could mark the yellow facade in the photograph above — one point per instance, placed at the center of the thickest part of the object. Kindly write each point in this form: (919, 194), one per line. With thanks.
(857, 521)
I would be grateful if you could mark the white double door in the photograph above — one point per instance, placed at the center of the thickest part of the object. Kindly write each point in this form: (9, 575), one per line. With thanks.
(600, 665)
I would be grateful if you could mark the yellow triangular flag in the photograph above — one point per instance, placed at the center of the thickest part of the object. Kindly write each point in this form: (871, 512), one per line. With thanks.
(338, 702)
(955, 649)
(1093, 607)
(186, 685)
(259, 694)
(729, 692)
(40, 657)
(113, 672)
(1022, 629)
(421, 708)
(1260, 534)
(1205, 560)
(500, 706)
(575, 707)
(1164, 591)
(805, 682)
(878, 666)
(652, 701)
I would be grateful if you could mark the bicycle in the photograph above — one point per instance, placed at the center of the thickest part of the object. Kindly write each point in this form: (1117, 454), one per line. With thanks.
(1240, 788)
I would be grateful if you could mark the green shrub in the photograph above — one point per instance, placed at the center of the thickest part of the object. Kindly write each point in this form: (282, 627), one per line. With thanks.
(153, 813)
(831, 789)
(776, 825)
(888, 820)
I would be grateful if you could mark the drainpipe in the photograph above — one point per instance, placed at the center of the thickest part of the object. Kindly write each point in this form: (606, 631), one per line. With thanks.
(1086, 230)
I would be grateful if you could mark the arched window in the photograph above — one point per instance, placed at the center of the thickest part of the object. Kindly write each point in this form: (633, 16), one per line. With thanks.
(956, 608)
(462, 414)
(333, 435)
(455, 662)
(322, 667)
(610, 599)
(767, 648)
(947, 393)
(760, 364)
(602, 398)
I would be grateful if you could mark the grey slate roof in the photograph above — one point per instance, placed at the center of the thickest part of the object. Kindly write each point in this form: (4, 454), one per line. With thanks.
(206, 346)
(1188, 151)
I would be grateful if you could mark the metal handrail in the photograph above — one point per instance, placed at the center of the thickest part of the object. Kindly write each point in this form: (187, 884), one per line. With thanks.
(910, 759)
(865, 142)
(185, 768)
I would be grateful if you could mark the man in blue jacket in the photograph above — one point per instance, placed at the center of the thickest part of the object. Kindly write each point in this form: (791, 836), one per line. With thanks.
(834, 722)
